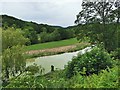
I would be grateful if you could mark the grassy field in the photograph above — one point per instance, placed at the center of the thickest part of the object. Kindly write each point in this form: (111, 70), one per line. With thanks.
(52, 44)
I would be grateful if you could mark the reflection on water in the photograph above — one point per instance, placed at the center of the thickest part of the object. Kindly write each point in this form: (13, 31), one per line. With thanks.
(59, 61)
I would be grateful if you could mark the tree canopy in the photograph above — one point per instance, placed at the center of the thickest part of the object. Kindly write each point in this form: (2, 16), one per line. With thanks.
(13, 60)
(99, 21)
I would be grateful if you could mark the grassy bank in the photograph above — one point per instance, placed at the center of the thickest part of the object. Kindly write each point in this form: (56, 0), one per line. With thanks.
(52, 44)
(54, 52)
(56, 47)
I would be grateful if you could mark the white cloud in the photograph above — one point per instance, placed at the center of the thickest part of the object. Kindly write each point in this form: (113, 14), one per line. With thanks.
(61, 1)
(54, 12)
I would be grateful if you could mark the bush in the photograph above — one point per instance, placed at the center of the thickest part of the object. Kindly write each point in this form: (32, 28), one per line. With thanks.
(106, 79)
(116, 53)
(33, 68)
(89, 63)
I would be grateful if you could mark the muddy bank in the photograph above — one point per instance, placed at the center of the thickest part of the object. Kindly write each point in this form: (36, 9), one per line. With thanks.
(55, 50)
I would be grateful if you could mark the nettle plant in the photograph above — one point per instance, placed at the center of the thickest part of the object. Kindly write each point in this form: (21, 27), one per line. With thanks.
(90, 62)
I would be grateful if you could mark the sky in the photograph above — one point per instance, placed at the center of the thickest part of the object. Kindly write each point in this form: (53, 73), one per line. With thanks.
(52, 12)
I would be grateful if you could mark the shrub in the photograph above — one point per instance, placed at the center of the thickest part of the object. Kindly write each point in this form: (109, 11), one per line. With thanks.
(90, 62)
(116, 53)
(105, 79)
(33, 68)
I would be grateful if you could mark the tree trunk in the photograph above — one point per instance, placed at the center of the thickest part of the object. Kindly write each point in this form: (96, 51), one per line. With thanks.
(7, 73)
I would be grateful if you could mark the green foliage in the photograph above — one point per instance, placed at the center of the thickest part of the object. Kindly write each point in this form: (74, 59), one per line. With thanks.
(110, 38)
(33, 68)
(90, 32)
(118, 35)
(89, 63)
(30, 33)
(0, 41)
(116, 53)
(52, 44)
(67, 33)
(100, 23)
(47, 37)
(38, 33)
(105, 79)
(13, 62)
(94, 33)
(58, 34)
(12, 53)
(12, 37)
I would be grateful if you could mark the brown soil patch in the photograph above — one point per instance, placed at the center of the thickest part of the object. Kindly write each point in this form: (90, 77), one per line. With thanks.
(55, 50)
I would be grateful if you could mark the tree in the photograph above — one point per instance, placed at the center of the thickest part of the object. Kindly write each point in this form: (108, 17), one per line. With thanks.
(55, 35)
(12, 37)
(43, 37)
(98, 22)
(95, 11)
(47, 37)
(117, 10)
(30, 33)
(13, 60)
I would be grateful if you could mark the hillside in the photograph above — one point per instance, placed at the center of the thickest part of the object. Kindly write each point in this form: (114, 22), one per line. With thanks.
(11, 21)
(38, 33)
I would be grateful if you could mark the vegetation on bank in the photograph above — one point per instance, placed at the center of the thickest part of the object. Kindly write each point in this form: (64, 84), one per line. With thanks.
(89, 63)
(106, 77)
(58, 50)
(56, 47)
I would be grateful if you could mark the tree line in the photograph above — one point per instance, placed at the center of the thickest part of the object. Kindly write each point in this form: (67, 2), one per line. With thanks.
(37, 33)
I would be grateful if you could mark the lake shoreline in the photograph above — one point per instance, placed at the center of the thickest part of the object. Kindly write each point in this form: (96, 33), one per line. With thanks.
(55, 51)
(58, 61)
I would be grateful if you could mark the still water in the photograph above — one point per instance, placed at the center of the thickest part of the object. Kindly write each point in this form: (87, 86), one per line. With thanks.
(58, 61)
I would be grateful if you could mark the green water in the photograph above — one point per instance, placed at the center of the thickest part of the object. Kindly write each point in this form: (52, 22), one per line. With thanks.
(58, 61)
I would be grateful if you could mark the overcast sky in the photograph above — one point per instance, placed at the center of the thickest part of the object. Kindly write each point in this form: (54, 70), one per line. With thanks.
(52, 12)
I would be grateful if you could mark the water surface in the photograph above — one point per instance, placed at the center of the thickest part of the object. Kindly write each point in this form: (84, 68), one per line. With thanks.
(58, 61)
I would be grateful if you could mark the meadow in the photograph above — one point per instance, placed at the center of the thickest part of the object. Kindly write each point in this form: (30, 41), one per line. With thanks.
(53, 44)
